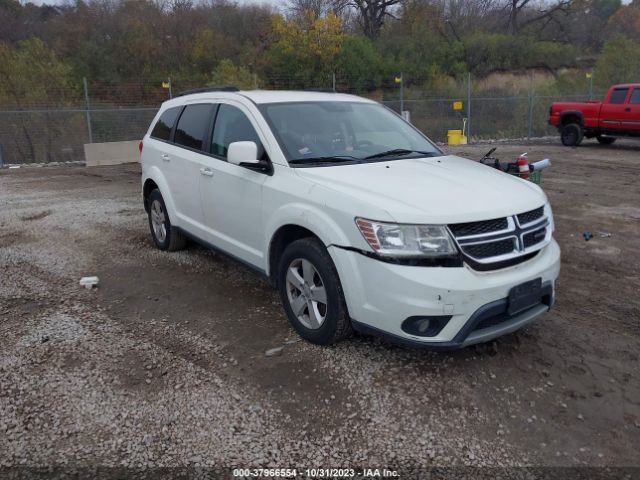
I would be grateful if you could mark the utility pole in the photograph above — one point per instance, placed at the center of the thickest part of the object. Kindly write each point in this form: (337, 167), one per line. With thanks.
(170, 89)
(468, 108)
(590, 77)
(87, 108)
(333, 77)
(401, 93)
(531, 102)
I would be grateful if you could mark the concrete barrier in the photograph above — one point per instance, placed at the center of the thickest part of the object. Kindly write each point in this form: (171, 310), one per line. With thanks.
(111, 153)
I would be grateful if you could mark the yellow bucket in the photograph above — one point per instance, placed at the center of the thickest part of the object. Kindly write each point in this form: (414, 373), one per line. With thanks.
(455, 137)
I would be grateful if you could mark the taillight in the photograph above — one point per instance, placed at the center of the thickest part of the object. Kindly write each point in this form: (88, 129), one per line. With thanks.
(140, 145)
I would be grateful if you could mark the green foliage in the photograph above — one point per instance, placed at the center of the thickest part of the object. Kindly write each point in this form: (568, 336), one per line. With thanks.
(32, 74)
(619, 62)
(227, 73)
(133, 43)
(490, 52)
(359, 64)
(305, 50)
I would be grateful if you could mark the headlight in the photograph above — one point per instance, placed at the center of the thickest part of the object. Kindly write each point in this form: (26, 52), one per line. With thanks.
(398, 240)
(549, 214)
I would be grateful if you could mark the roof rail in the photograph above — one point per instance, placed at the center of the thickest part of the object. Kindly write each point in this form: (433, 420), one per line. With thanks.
(224, 88)
(321, 90)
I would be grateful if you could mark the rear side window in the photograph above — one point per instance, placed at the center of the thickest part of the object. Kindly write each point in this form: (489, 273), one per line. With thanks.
(232, 125)
(162, 128)
(635, 96)
(193, 125)
(618, 96)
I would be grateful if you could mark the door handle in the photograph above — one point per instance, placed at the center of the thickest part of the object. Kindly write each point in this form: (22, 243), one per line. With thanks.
(206, 172)
(628, 109)
(165, 157)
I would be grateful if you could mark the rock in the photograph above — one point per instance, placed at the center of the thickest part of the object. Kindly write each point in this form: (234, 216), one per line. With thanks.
(272, 352)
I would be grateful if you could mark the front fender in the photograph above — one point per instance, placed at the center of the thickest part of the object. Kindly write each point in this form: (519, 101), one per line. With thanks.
(326, 228)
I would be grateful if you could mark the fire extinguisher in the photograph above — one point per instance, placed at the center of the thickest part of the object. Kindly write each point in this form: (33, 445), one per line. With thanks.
(523, 166)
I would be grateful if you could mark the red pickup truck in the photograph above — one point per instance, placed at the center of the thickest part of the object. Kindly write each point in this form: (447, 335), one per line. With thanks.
(617, 116)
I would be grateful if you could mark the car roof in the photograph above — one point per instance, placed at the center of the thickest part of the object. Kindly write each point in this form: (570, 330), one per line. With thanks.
(269, 96)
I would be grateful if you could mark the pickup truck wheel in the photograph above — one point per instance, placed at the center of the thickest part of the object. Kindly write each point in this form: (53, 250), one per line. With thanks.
(164, 235)
(571, 135)
(605, 140)
(311, 293)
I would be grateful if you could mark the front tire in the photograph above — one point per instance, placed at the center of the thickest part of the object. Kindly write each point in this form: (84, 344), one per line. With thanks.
(571, 135)
(605, 140)
(311, 293)
(165, 236)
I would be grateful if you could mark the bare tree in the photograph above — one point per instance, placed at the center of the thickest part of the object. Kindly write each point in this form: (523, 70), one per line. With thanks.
(372, 14)
(467, 15)
(319, 8)
(517, 7)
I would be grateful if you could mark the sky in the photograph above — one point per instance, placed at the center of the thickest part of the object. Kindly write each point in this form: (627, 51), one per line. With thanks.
(58, 2)
(276, 3)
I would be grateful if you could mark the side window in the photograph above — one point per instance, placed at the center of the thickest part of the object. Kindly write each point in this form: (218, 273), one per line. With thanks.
(193, 125)
(618, 96)
(162, 128)
(635, 97)
(233, 126)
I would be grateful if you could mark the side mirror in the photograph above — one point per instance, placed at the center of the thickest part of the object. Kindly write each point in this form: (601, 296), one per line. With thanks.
(240, 153)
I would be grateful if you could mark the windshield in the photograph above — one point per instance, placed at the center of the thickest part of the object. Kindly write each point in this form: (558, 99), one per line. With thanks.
(343, 132)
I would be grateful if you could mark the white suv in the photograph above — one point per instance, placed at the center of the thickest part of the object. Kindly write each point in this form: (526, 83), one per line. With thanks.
(358, 219)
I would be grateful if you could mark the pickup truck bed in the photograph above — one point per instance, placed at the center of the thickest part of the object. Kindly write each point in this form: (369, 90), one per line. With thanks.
(617, 116)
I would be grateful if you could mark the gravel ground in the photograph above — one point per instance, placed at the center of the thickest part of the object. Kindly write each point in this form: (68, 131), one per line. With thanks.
(164, 364)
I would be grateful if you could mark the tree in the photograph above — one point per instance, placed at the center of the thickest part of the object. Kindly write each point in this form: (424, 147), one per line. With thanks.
(626, 22)
(372, 14)
(517, 8)
(305, 49)
(619, 62)
(227, 73)
(33, 76)
(358, 64)
(319, 8)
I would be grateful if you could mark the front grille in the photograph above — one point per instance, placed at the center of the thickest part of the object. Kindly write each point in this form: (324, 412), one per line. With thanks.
(500, 242)
(478, 228)
(531, 216)
(492, 249)
(532, 238)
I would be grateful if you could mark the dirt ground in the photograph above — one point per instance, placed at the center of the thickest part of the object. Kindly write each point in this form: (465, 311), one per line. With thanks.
(164, 364)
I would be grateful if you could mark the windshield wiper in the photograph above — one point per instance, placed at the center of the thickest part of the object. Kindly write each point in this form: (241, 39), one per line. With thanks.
(398, 151)
(333, 159)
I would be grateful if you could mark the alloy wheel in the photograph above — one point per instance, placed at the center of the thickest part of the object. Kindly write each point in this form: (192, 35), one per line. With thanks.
(158, 221)
(306, 293)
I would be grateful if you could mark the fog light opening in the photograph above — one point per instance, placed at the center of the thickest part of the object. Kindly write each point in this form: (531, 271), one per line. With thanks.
(425, 326)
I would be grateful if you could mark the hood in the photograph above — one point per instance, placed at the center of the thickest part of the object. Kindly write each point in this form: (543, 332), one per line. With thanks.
(439, 190)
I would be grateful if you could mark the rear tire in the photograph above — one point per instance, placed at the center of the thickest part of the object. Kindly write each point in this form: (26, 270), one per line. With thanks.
(309, 284)
(571, 135)
(605, 140)
(165, 236)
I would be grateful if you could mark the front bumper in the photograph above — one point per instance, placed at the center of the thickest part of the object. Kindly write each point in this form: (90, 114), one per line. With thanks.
(380, 296)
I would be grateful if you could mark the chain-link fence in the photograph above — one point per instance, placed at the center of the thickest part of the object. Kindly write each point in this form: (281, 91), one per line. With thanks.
(43, 131)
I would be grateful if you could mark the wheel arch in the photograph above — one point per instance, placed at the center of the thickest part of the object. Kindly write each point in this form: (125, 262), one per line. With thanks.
(155, 180)
(571, 116)
(284, 236)
(294, 222)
